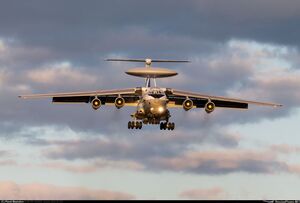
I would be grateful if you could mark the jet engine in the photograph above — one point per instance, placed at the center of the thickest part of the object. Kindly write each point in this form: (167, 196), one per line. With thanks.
(209, 107)
(119, 102)
(96, 103)
(187, 104)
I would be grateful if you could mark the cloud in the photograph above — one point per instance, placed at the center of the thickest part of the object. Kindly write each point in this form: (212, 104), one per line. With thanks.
(3, 153)
(204, 194)
(83, 35)
(16, 56)
(2, 46)
(166, 154)
(236, 65)
(196, 27)
(39, 191)
(60, 74)
(294, 168)
(45, 47)
(280, 86)
(3, 77)
(142, 147)
(230, 18)
(6, 158)
(8, 162)
(223, 162)
(285, 148)
(92, 166)
(69, 167)
(252, 71)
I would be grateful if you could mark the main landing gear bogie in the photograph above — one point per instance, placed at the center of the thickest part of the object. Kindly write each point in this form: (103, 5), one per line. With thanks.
(139, 125)
(135, 124)
(167, 126)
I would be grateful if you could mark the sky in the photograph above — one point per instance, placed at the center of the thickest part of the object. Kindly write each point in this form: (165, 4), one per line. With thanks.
(241, 49)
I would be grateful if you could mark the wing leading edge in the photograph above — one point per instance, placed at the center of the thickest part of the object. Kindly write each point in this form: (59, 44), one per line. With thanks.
(177, 97)
(106, 96)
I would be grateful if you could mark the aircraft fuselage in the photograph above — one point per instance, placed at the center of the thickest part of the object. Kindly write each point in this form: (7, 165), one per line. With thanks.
(152, 106)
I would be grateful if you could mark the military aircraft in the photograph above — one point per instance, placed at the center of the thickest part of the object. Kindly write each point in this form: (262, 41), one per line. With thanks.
(152, 102)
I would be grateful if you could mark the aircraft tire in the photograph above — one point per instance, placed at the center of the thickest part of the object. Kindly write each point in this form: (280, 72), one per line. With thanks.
(172, 126)
(168, 126)
(161, 126)
(165, 126)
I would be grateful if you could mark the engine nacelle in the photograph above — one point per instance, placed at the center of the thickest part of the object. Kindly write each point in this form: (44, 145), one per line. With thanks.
(209, 107)
(96, 103)
(187, 104)
(119, 102)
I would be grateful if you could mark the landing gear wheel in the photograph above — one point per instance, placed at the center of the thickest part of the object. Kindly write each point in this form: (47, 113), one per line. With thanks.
(167, 126)
(131, 124)
(172, 127)
(161, 126)
(135, 125)
(138, 125)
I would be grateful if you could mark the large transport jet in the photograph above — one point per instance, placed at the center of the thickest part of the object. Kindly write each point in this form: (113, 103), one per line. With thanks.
(152, 102)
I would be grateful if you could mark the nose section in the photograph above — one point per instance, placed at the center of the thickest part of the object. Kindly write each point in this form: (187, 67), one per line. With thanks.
(141, 111)
(158, 108)
(161, 109)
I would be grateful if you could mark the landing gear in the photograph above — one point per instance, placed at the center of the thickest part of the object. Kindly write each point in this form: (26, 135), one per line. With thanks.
(135, 124)
(167, 126)
(154, 121)
(139, 125)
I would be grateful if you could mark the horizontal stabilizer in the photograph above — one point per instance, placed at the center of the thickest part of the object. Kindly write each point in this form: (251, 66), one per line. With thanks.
(150, 60)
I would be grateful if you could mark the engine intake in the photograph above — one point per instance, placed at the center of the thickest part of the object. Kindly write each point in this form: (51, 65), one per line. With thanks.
(119, 102)
(187, 104)
(209, 107)
(96, 103)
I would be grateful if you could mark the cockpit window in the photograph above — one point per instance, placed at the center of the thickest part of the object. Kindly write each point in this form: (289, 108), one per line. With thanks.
(156, 95)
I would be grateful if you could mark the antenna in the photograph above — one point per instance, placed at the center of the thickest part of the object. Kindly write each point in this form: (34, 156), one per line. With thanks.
(150, 73)
(149, 61)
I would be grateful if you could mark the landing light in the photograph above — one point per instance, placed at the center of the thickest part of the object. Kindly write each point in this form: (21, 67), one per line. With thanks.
(161, 109)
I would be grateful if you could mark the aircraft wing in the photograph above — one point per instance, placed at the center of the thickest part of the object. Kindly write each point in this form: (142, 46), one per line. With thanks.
(177, 97)
(130, 96)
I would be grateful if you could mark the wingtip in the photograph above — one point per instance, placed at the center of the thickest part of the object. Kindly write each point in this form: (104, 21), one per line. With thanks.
(22, 97)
